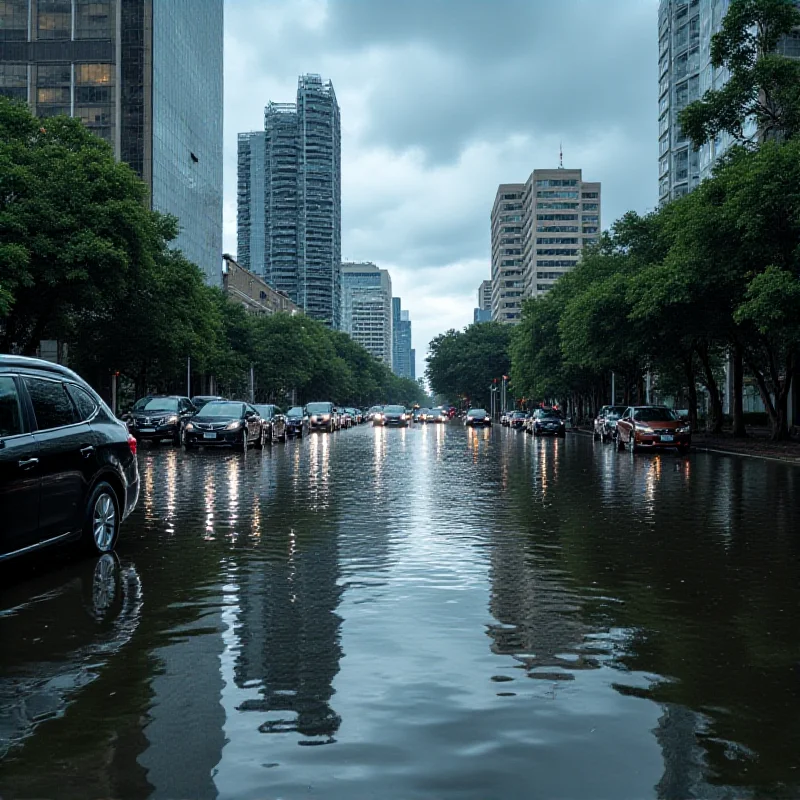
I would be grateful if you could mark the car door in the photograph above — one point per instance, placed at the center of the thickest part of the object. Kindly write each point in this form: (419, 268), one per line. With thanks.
(625, 425)
(20, 478)
(252, 419)
(68, 455)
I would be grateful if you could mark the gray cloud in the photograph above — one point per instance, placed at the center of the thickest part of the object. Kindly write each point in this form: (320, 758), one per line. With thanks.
(441, 101)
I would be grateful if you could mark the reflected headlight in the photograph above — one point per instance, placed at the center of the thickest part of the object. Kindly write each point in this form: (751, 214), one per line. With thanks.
(232, 426)
(173, 420)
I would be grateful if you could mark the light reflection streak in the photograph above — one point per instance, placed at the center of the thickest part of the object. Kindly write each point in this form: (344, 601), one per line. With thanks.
(172, 480)
(233, 495)
(209, 496)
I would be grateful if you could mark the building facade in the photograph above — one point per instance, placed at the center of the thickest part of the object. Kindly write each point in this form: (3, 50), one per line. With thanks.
(485, 296)
(507, 274)
(252, 291)
(401, 332)
(367, 308)
(146, 76)
(302, 199)
(561, 216)
(250, 195)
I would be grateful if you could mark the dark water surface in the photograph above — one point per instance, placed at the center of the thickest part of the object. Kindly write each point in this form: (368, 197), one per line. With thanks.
(422, 613)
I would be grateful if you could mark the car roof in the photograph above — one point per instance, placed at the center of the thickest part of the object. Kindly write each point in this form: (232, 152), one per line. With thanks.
(9, 362)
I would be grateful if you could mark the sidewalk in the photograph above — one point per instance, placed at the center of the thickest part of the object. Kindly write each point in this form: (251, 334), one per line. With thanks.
(757, 445)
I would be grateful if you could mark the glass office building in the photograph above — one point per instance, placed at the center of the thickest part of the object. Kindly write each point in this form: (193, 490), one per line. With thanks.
(146, 76)
(367, 308)
(250, 195)
(401, 336)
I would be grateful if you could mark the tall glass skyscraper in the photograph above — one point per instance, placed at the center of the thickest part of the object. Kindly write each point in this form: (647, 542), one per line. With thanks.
(401, 334)
(250, 194)
(302, 199)
(145, 75)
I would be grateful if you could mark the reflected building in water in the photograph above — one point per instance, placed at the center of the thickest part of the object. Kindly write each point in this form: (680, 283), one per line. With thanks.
(288, 634)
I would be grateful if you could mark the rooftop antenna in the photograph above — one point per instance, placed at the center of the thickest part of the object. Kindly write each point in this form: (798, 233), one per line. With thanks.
(560, 155)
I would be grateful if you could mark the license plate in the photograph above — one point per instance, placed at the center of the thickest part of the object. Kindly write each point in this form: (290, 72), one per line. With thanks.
(209, 435)
(147, 430)
(667, 438)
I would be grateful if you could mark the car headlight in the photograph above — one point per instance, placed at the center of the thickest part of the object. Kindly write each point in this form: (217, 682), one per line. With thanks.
(644, 429)
(377, 417)
(685, 429)
(189, 426)
(326, 417)
(173, 420)
(235, 425)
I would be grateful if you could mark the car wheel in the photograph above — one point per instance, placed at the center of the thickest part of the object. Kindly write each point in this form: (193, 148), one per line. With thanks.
(102, 519)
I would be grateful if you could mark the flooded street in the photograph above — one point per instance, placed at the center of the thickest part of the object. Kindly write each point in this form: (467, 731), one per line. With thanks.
(424, 613)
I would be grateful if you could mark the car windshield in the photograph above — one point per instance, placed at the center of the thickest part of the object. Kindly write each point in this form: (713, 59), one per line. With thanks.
(477, 412)
(395, 409)
(319, 408)
(222, 409)
(548, 414)
(267, 412)
(654, 415)
(156, 404)
(519, 415)
(295, 412)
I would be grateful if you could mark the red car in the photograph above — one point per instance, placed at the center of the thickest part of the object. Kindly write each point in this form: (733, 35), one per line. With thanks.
(651, 428)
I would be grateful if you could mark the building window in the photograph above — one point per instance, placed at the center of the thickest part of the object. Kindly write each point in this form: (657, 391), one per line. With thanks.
(590, 218)
(14, 81)
(544, 184)
(591, 206)
(54, 19)
(590, 195)
(14, 20)
(53, 90)
(557, 229)
(555, 240)
(94, 20)
(548, 195)
(95, 98)
(557, 206)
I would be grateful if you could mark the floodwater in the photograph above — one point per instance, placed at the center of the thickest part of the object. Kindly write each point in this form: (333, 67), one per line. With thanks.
(421, 613)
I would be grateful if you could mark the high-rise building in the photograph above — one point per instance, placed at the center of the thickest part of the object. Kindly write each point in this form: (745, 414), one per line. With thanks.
(413, 363)
(367, 308)
(561, 216)
(144, 75)
(507, 277)
(250, 194)
(485, 296)
(685, 74)
(303, 199)
(401, 331)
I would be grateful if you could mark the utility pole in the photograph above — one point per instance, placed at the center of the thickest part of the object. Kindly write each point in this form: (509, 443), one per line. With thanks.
(252, 385)
(188, 376)
(613, 389)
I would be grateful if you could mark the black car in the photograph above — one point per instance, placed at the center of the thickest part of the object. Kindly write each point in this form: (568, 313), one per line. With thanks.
(198, 401)
(477, 417)
(68, 466)
(322, 417)
(158, 417)
(392, 416)
(296, 422)
(517, 419)
(273, 423)
(224, 422)
(547, 421)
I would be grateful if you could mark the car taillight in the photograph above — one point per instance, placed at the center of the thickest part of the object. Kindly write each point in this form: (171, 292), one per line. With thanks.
(132, 444)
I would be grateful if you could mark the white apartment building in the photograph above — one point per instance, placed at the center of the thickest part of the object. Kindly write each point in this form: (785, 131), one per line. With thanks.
(367, 308)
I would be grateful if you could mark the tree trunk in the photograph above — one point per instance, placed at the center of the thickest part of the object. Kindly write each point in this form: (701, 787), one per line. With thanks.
(717, 414)
(737, 406)
(691, 388)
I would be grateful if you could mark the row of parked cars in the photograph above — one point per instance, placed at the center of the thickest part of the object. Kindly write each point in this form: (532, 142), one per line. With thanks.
(643, 428)
(209, 421)
(541, 422)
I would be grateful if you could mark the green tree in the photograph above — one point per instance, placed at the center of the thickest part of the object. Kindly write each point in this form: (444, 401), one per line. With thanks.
(764, 86)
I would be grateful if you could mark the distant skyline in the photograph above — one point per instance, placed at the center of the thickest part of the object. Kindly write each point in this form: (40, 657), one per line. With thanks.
(441, 102)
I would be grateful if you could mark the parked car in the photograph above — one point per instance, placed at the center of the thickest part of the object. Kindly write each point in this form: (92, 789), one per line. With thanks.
(158, 417)
(346, 419)
(296, 422)
(68, 466)
(224, 422)
(198, 401)
(373, 411)
(436, 415)
(395, 416)
(547, 422)
(322, 417)
(517, 420)
(273, 423)
(605, 423)
(477, 417)
(651, 428)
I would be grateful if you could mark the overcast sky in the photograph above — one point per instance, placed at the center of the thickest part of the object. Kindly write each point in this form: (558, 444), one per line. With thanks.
(442, 100)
